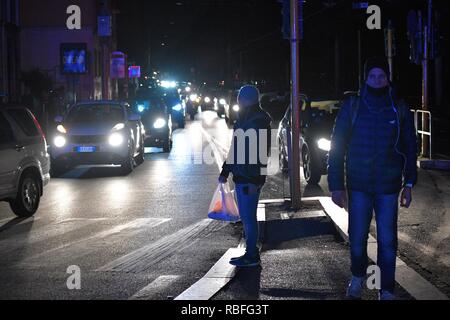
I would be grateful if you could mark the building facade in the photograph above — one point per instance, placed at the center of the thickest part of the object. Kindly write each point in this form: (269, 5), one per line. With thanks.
(9, 51)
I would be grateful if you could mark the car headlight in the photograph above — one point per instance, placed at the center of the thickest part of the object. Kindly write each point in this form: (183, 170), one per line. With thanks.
(236, 108)
(193, 97)
(207, 99)
(223, 101)
(141, 108)
(61, 129)
(324, 144)
(188, 89)
(116, 139)
(177, 107)
(59, 141)
(159, 123)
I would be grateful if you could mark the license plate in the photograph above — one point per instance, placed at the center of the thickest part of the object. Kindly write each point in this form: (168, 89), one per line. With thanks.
(86, 149)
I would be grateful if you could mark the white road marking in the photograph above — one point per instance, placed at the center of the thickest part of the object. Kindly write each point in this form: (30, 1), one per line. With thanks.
(81, 247)
(410, 280)
(219, 275)
(154, 287)
(222, 272)
(144, 258)
(42, 233)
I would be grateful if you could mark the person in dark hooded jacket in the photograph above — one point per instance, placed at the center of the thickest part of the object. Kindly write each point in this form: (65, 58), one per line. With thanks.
(373, 158)
(247, 161)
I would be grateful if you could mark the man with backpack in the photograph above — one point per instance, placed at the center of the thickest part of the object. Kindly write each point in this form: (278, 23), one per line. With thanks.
(372, 160)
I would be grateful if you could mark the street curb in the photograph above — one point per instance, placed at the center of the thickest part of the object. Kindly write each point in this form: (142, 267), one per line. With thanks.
(433, 164)
(417, 286)
(222, 272)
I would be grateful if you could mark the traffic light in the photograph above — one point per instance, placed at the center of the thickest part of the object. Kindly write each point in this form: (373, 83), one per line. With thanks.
(286, 13)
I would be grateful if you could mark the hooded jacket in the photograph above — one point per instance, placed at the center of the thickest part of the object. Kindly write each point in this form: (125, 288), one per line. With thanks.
(249, 171)
(378, 151)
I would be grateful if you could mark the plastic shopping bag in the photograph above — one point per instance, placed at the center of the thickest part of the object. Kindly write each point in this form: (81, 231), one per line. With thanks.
(223, 205)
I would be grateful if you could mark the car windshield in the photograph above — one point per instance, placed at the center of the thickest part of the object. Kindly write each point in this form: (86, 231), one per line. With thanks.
(102, 114)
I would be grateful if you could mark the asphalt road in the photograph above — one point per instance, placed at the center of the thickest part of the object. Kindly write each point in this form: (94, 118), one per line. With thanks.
(147, 236)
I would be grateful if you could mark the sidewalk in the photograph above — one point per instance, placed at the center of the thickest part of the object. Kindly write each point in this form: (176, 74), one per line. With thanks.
(303, 257)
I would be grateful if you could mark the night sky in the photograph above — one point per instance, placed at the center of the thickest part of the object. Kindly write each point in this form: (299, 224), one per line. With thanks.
(212, 40)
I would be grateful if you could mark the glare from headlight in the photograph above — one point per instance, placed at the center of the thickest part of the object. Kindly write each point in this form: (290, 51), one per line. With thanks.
(236, 108)
(207, 99)
(159, 123)
(61, 128)
(193, 97)
(223, 101)
(116, 139)
(324, 144)
(141, 108)
(177, 107)
(59, 141)
(119, 127)
(188, 89)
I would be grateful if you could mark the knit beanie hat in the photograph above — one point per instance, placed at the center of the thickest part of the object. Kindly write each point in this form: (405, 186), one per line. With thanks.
(376, 62)
(248, 96)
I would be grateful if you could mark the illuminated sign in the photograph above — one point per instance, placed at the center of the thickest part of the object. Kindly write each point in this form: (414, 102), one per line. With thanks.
(73, 58)
(134, 72)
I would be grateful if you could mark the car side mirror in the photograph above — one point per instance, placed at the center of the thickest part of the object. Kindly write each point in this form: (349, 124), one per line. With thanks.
(134, 117)
(59, 119)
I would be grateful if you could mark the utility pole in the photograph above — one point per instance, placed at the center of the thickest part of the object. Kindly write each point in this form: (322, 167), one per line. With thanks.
(390, 48)
(425, 83)
(294, 159)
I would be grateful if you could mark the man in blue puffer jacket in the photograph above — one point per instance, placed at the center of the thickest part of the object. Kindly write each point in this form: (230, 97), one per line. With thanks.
(247, 161)
(374, 142)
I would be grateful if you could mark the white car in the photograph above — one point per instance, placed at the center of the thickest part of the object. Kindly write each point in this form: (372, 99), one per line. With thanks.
(24, 161)
(98, 132)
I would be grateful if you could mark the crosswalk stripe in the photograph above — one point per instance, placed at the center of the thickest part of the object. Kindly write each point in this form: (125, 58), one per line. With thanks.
(42, 233)
(144, 258)
(154, 287)
(87, 245)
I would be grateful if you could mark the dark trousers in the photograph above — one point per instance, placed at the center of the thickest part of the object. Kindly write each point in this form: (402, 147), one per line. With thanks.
(361, 207)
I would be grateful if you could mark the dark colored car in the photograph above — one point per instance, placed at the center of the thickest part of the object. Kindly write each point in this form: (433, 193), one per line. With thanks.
(176, 107)
(98, 132)
(316, 121)
(231, 108)
(157, 120)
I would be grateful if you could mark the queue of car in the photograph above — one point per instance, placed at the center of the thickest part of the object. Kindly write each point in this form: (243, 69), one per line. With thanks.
(116, 133)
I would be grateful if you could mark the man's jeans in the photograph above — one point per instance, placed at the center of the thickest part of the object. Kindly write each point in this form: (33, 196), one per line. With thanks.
(361, 207)
(247, 198)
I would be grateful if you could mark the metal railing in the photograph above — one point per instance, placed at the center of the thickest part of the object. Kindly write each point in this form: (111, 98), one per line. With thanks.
(420, 131)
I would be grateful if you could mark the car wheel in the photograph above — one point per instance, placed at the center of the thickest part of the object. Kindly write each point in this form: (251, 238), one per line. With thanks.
(28, 196)
(283, 163)
(167, 146)
(311, 171)
(127, 165)
(181, 124)
(141, 156)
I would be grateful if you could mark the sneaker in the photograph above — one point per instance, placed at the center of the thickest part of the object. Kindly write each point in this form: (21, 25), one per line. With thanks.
(246, 261)
(355, 287)
(246, 254)
(386, 295)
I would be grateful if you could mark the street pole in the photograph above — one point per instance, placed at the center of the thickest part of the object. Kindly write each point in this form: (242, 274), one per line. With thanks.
(295, 99)
(425, 82)
(360, 76)
(390, 49)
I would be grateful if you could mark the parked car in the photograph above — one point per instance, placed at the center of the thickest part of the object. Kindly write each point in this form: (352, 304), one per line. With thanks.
(316, 124)
(98, 132)
(24, 161)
